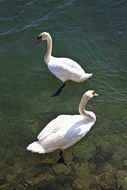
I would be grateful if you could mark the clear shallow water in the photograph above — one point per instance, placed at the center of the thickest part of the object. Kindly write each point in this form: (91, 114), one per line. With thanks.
(92, 33)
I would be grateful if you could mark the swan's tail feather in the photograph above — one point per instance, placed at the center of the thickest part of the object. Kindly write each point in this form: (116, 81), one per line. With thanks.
(86, 76)
(36, 147)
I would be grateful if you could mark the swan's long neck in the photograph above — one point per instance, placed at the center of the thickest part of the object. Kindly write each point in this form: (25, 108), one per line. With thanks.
(83, 111)
(49, 50)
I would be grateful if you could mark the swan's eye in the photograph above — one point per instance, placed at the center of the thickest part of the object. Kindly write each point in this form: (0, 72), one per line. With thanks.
(39, 37)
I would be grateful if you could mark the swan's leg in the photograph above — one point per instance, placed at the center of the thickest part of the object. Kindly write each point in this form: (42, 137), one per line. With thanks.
(61, 159)
(57, 93)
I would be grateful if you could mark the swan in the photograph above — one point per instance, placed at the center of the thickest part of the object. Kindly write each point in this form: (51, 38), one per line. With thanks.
(63, 68)
(65, 130)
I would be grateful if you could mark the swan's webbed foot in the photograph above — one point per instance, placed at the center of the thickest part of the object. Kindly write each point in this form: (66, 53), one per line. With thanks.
(57, 93)
(61, 159)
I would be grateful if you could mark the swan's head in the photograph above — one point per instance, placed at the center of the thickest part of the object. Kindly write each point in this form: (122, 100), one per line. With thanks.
(89, 94)
(42, 36)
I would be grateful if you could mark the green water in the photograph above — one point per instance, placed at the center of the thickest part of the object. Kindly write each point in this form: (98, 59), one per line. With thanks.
(94, 34)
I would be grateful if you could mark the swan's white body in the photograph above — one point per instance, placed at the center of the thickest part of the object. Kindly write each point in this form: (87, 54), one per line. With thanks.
(65, 130)
(63, 68)
(66, 69)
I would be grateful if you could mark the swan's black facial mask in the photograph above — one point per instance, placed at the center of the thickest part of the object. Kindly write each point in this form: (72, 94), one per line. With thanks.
(39, 37)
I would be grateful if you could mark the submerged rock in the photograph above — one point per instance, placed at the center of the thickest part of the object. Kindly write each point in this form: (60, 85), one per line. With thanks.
(82, 170)
(122, 179)
(80, 184)
(108, 181)
(42, 179)
(125, 164)
(84, 180)
(61, 169)
(3, 180)
(103, 154)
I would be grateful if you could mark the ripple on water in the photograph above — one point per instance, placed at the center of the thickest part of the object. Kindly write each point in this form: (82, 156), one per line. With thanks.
(94, 34)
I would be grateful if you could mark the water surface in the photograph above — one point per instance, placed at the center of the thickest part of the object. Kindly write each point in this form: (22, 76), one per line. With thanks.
(94, 34)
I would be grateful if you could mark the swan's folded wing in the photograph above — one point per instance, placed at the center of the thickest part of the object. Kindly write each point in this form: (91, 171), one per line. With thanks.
(71, 63)
(66, 69)
(52, 127)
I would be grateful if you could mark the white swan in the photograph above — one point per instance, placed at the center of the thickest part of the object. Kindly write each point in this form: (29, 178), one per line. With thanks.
(65, 130)
(63, 68)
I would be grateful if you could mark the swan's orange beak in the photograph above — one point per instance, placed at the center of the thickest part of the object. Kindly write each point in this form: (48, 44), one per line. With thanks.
(95, 94)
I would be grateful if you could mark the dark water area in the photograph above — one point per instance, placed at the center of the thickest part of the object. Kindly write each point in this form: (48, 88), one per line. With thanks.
(93, 33)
